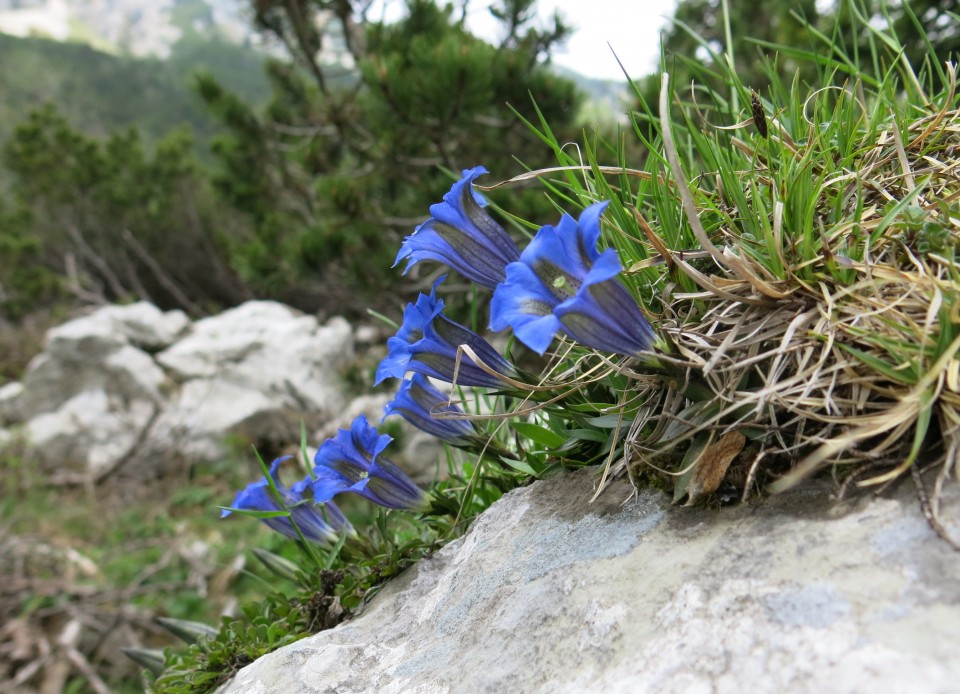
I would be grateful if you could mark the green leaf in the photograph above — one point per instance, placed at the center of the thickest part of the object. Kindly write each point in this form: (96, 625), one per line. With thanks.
(894, 374)
(609, 421)
(149, 658)
(538, 434)
(254, 514)
(521, 466)
(284, 568)
(188, 631)
(588, 435)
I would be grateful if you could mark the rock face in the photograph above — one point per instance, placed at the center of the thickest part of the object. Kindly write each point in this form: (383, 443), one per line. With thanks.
(94, 391)
(254, 370)
(549, 593)
(133, 383)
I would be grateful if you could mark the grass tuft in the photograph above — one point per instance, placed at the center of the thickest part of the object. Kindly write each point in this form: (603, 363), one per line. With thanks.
(796, 251)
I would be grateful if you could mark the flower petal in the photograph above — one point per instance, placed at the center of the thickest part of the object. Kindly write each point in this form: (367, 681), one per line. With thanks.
(349, 463)
(605, 316)
(390, 486)
(418, 402)
(462, 235)
(562, 256)
(428, 342)
(562, 282)
(524, 304)
(302, 514)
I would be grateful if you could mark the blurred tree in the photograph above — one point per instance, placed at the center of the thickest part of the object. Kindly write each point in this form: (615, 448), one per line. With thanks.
(25, 282)
(110, 222)
(364, 119)
(699, 22)
(99, 93)
(698, 34)
(914, 23)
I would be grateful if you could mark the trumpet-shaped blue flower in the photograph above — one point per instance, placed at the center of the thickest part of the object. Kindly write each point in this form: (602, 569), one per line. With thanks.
(562, 283)
(419, 403)
(320, 525)
(350, 462)
(428, 341)
(461, 235)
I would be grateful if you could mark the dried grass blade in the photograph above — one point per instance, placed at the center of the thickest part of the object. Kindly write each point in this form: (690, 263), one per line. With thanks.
(531, 175)
(742, 268)
(686, 199)
(707, 283)
(947, 103)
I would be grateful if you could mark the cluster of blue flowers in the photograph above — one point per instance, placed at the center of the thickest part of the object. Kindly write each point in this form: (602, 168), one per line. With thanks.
(349, 463)
(559, 284)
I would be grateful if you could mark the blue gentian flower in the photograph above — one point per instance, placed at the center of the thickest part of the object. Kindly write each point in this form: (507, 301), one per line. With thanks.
(463, 236)
(562, 283)
(319, 524)
(427, 343)
(419, 402)
(351, 462)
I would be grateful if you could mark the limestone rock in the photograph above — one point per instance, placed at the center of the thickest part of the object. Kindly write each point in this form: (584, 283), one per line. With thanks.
(204, 412)
(145, 325)
(254, 371)
(141, 324)
(100, 394)
(268, 347)
(10, 403)
(549, 593)
(94, 430)
(99, 352)
(88, 399)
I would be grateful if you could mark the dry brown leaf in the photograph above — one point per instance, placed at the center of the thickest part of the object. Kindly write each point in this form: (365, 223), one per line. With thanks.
(712, 465)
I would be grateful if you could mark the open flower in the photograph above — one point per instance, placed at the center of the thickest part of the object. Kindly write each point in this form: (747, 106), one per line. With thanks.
(319, 524)
(562, 283)
(461, 235)
(419, 403)
(351, 462)
(428, 342)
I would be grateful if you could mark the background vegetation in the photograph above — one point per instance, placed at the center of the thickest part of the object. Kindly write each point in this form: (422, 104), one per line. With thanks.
(307, 190)
(311, 178)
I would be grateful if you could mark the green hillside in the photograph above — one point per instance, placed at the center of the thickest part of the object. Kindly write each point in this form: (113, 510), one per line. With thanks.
(99, 92)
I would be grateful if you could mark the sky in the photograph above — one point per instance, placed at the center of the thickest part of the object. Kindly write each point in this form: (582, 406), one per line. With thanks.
(631, 27)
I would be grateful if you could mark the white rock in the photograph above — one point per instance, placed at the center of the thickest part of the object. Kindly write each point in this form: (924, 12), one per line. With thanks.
(369, 335)
(89, 397)
(196, 423)
(267, 346)
(84, 339)
(141, 324)
(93, 431)
(255, 371)
(549, 593)
(145, 325)
(10, 403)
(96, 397)
(54, 377)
